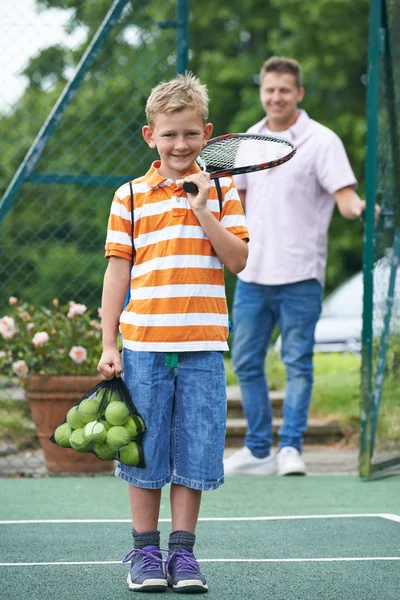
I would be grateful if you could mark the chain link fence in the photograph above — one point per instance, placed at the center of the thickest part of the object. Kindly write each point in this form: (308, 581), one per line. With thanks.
(71, 133)
(380, 435)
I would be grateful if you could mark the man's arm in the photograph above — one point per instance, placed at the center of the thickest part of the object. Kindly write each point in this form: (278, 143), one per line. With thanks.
(115, 286)
(350, 204)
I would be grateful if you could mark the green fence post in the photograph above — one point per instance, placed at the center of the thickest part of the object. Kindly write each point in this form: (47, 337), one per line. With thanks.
(374, 50)
(394, 139)
(182, 38)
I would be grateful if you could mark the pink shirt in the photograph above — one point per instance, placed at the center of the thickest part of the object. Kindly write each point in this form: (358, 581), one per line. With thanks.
(289, 208)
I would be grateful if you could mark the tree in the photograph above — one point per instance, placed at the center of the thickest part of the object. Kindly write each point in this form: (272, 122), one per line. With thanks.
(100, 134)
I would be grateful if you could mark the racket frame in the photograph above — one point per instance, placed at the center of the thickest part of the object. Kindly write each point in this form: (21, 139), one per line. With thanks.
(216, 173)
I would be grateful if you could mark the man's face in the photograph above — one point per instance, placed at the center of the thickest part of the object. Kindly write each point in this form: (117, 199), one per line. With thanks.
(279, 96)
(179, 138)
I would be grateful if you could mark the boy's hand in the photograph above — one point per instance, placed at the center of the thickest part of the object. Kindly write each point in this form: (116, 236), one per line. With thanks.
(198, 202)
(110, 364)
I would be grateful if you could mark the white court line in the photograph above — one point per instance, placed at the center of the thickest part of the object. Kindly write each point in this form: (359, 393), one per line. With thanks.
(214, 560)
(207, 519)
(395, 518)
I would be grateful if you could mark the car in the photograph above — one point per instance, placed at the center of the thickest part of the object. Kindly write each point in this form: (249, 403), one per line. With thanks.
(339, 328)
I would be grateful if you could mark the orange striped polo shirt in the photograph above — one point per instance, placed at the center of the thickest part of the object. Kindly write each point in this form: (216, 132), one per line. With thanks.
(178, 298)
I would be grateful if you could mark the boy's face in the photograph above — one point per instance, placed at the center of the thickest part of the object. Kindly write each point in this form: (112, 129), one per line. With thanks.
(279, 96)
(179, 138)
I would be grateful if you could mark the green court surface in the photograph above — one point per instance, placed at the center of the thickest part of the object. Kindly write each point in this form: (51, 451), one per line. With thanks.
(312, 538)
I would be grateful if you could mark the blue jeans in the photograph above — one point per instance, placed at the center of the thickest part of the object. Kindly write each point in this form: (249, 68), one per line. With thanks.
(184, 409)
(295, 308)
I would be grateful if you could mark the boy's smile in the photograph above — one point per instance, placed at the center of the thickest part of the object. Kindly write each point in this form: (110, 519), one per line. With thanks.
(179, 138)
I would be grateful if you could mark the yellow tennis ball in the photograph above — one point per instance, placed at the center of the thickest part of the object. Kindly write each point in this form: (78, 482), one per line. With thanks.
(117, 413)
(106, 393)
(100, 394)
(142, 424)
(132, 428)
(62, 435)
(135, 425)
(114, 397)
(95, 432)
(104, 451)
(130, 454)
(88, 410)
(106, 424)
(78, 441)
(74, 419)
(117, 437)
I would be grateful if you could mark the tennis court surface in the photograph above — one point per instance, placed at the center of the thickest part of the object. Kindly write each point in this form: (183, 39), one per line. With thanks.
(319, 537)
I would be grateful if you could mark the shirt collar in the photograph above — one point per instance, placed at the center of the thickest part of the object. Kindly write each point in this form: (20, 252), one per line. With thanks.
(296, 129)
(154, 179)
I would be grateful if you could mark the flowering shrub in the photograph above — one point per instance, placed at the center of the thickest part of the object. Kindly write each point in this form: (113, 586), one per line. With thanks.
(60, 340)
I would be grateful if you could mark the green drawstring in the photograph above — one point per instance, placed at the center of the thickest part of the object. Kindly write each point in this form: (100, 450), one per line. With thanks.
(171, 360)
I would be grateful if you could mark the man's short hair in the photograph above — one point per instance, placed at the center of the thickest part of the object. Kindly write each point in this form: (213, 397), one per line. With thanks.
(280, 64)
(183, 91)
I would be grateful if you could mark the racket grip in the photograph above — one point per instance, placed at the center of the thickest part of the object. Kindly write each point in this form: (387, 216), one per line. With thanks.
(190, 187)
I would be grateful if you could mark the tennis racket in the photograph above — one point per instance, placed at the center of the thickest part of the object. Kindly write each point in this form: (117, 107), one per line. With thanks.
(237, 153)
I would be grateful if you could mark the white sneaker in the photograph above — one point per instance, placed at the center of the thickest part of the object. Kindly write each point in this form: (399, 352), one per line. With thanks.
(242, 462)
(290, 462)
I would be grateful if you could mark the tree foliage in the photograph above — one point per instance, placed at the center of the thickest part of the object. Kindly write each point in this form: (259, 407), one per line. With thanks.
(100, 132)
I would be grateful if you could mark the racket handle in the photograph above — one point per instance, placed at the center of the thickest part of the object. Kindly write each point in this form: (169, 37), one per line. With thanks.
(190, 187)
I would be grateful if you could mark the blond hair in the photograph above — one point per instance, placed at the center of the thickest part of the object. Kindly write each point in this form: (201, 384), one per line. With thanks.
(183, 91)
(281, 64)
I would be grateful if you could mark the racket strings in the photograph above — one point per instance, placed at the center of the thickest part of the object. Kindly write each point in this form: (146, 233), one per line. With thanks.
(239, 152)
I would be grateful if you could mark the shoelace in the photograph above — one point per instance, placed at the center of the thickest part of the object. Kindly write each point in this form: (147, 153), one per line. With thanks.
(152, 560)
(185, 561)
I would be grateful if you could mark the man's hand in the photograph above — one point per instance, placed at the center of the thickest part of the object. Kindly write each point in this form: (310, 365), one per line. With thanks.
(110, 364)
(351, 206)
(198, 202)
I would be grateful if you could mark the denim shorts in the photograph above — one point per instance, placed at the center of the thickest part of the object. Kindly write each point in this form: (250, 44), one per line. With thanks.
(184, 409)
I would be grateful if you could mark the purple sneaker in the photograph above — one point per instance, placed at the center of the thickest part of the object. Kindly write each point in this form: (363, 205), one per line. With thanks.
(147, 572)
(184, 573)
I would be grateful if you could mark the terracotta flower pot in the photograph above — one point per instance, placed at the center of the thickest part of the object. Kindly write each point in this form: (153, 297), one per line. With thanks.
(50, 399)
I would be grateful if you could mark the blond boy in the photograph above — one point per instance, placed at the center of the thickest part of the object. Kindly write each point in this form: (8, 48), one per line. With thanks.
(174, 328)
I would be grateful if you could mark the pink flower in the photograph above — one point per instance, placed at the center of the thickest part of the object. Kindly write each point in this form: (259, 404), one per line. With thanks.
(76, 309)
(20, 368)
(40, 339)
(25, 316)
(7, 327)
(56, 302)
(30, 326)
(78, 354)
(12, 300)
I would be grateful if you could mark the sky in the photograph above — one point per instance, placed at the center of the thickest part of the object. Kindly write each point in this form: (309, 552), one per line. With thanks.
(23, 32)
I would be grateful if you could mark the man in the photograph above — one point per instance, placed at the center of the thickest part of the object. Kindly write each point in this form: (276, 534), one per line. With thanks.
(288, 210)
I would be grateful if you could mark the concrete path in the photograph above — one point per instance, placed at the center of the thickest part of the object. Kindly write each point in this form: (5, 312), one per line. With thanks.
(326, 460)
(320, 460)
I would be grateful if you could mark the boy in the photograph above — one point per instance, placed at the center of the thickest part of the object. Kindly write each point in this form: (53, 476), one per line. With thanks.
(174, 328)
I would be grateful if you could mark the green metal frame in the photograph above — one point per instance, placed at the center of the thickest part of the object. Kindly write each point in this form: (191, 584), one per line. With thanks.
(371, 392)
(25, 171)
